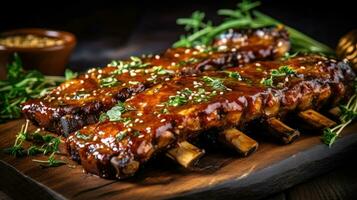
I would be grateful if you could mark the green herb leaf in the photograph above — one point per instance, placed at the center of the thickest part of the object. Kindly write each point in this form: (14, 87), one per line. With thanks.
(20, 86)
(137, 133)
(50, 162)
(215, 83)
(14, 70)
(244, 16)
(69, 74)
(282, 71)
(125, 66)
(177, 100)
(329, 136)
(347, 115)
(108, 81)
(79, 135)
(114, 114)
(234, 75)
(120, 136)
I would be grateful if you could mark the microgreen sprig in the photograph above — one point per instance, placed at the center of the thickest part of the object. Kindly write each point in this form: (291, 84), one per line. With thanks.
(17, 149)
(347, 115)
(50, 162)
(49, 144)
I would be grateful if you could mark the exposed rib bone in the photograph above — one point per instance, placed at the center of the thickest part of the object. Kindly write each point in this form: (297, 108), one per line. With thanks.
(242, 143)
(185, 154)
(315, 119)
(281, 131)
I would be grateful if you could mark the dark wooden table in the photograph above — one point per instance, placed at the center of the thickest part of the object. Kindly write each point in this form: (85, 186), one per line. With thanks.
(105, 35)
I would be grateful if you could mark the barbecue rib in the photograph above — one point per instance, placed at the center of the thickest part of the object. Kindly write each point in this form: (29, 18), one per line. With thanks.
(186, 106)
(79, 102)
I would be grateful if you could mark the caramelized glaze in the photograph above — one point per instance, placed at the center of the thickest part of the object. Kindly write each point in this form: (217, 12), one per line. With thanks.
(79, 101)
(108, 148)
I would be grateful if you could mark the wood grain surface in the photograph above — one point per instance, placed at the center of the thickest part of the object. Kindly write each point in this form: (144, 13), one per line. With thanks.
(220, 174)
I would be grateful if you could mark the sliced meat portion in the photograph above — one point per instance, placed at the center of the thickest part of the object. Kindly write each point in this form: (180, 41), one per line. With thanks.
(79, 102)
(186, 106)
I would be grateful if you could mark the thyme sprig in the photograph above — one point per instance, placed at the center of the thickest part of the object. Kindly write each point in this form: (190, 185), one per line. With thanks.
(347, 115)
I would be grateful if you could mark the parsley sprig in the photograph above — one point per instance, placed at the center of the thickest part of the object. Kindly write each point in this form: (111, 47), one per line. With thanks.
(347, 115)
(280, 72)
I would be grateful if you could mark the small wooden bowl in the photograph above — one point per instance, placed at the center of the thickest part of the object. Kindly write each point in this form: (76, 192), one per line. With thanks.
(50, 60)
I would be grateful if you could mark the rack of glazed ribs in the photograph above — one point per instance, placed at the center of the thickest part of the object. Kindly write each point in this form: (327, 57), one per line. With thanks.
(162, 103)
(79, 101)
(165, 116)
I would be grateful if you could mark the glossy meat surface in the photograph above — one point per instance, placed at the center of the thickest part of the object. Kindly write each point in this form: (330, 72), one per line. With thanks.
(188, 105)
(79, 101)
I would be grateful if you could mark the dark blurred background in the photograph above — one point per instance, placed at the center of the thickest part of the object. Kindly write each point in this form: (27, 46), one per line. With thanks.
(109, 30)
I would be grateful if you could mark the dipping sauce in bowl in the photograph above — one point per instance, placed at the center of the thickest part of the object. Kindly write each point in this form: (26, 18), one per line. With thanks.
(45, 50)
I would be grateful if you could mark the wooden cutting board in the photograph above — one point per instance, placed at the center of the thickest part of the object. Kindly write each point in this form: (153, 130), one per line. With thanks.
(220, 174)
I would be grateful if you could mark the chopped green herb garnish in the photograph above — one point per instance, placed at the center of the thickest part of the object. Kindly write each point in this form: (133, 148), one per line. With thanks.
(288, 55)
(137, 133)
(120, 136)
(215, 83)
(164, 111)
(282, 71)
(79, 135)
(109, 81)
(114, 114)
(161, 71)
(103, 117)
(125, 66)
(234, 75)
(187, 62)
(202, 96)
(177, 100)
(180, 98)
